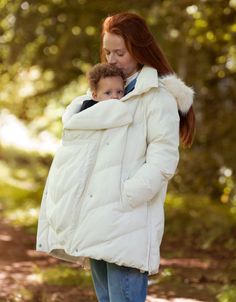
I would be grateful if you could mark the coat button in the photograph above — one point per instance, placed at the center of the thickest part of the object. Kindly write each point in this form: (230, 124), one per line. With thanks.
(108, 143)
(91, 195)
(40, 245)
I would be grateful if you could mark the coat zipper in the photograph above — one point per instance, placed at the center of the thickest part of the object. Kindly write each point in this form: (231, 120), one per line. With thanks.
(149, 236)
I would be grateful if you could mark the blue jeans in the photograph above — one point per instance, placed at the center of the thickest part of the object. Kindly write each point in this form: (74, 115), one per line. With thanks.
(114, 283)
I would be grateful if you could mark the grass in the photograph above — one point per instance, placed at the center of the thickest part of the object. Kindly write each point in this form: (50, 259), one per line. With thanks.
(63, 274)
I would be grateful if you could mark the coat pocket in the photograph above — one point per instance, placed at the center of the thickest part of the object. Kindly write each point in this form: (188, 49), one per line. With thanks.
(137, 214)
(125, 200)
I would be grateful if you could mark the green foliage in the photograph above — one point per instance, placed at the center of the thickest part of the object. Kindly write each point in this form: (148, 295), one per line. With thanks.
(26, 217)
(22, 176)
(62, 274)
(205, 224)
(168, 275)
(22, 294)
(228, 294)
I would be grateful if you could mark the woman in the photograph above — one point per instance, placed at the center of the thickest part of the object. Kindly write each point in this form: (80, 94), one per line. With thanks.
(115, 214)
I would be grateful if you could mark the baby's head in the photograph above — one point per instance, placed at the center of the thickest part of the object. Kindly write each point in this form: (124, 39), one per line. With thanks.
(106, 82)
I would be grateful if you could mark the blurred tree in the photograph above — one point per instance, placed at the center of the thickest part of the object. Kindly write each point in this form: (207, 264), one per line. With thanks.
(47, 45)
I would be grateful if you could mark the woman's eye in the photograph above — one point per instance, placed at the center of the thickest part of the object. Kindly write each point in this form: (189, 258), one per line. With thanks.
(107, 92)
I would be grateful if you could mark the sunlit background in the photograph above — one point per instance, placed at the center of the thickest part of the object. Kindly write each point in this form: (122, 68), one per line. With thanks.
(46, 48)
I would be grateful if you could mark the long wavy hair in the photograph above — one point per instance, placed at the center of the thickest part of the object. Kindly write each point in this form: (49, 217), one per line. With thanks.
(143, 47)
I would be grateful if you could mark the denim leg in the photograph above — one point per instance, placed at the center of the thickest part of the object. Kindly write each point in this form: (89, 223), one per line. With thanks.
(126, 284)
(99, 277)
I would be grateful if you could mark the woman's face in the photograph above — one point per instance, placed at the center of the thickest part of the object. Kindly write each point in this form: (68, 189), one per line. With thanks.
(117, 54)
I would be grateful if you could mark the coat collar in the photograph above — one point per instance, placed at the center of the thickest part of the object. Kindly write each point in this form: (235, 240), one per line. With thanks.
(103, 115)
(148, 78)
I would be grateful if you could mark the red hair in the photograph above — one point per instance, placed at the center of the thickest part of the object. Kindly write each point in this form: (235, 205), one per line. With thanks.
(144, 49)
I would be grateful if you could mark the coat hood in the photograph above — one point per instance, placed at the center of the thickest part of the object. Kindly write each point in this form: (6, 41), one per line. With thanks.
(182, 93)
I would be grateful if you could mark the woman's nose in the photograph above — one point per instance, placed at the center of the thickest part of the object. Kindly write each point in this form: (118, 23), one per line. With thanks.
(111, 59)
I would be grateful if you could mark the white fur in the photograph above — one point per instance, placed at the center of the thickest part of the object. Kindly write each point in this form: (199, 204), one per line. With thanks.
(182, 93)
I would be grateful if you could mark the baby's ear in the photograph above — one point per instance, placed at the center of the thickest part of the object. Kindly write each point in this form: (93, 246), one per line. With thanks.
(94, 95)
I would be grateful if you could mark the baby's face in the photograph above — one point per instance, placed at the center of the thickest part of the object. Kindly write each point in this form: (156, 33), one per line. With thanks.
(109, 88)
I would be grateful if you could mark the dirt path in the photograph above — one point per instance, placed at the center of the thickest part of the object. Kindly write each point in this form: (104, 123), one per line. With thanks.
(18, 261)
(18, 283)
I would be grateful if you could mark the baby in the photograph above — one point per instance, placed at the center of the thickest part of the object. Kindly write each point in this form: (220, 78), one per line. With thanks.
(106, 82)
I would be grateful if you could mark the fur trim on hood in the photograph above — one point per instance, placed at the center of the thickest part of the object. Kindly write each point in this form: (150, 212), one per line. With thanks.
(182, 93)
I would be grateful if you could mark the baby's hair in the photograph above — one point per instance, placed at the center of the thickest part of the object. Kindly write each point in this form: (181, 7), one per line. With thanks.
(101, 71)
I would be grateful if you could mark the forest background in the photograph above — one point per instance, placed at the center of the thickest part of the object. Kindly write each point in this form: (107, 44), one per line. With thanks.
(46, 48)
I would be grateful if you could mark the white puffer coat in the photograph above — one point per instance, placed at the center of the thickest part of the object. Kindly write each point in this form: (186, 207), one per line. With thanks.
(107, 184)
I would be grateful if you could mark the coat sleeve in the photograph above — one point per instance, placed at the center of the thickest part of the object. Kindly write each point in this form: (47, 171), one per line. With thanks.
(162, 153)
